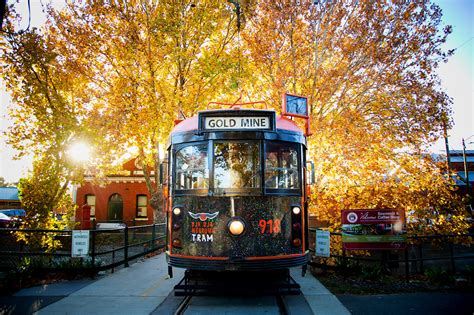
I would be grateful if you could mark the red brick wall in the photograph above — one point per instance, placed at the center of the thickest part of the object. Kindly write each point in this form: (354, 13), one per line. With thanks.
(128, 191)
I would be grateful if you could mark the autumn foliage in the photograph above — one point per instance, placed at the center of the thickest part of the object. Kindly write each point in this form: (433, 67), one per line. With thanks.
(120, 73)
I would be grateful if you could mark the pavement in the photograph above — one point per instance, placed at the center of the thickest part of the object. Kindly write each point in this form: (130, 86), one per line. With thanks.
(144, 288)
(139, 289)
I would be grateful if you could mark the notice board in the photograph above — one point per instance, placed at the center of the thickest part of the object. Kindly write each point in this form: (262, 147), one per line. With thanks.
(371, 229)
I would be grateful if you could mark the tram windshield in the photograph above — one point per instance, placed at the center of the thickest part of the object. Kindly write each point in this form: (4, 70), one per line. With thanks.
(281, 166)
(237, 166)
(192, 170)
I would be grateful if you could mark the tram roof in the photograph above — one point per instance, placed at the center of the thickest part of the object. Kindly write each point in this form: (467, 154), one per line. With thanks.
(192, 124)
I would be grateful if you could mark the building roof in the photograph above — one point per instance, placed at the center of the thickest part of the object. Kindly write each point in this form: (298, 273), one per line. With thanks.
(460, 152)
(9, 193)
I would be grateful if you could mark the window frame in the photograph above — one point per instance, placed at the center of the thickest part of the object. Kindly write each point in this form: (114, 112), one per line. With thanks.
(194, 192)
(285, 191)
(138, 207)
(95, 203)
(223, 192)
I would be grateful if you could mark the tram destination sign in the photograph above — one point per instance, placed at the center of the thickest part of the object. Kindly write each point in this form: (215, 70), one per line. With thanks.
(246, 122)
(237, 120)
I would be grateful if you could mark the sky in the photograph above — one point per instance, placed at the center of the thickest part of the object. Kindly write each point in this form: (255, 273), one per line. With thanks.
(456, 75)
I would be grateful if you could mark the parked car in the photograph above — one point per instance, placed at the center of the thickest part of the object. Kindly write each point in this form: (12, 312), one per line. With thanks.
(4, 220)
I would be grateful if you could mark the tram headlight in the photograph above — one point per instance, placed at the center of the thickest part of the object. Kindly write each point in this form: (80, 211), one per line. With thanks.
(236, 227)
(177, 243)
(177, 211)
(296, 210)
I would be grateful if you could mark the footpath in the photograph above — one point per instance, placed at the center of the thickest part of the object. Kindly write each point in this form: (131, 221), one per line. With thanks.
(139, 289)
(144, 286)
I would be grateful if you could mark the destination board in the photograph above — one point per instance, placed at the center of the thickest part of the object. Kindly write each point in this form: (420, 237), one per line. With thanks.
(235, 123)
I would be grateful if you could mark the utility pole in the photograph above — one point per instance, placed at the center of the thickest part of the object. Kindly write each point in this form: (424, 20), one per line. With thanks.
(466, 170)
(448, 156)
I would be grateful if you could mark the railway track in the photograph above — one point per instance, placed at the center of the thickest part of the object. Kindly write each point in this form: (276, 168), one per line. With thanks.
(198, 304)
(272, 292)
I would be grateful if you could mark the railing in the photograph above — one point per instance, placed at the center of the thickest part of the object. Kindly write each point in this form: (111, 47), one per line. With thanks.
(108, 249)
(447, 252)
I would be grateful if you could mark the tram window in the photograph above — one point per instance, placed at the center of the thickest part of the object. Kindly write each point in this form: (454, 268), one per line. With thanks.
(191, 167)
(236, 165)
(281, 166)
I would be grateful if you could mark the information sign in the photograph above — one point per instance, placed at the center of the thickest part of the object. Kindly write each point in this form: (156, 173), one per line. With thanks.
(365, 229)
(80, 243)
(323, 241)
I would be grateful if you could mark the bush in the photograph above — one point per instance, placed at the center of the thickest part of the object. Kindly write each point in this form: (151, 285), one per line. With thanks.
(372, 273)
(439, 276)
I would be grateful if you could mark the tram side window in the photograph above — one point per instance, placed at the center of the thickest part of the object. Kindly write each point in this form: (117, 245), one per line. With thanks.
(192, 168)
(281, 166)
(236, 165)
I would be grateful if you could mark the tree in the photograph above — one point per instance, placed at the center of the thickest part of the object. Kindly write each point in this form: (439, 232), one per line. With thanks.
(148, 63)
(120, 73)
(47, 206)
(368, 69)
(48, 117)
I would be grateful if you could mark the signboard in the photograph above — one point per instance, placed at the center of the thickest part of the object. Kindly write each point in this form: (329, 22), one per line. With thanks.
(294, 105)
(373, 229)
(234, 123)
(80, 243)
(323, 240)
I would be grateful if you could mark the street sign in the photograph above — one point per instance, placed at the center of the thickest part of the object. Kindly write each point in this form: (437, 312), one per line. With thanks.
(370, 229)
(80, 243)
(323, 241)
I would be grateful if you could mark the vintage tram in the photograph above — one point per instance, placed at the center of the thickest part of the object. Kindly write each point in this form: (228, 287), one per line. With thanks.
(236, 196)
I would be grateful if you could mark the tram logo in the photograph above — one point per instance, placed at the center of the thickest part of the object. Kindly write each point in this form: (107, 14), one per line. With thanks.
(203, 216)
(202, 227)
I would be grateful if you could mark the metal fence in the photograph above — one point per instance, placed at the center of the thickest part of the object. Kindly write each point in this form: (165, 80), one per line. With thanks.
(453, 253)
(109, 248)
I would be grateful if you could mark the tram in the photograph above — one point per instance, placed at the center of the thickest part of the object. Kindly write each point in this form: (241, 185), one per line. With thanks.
(236, 194)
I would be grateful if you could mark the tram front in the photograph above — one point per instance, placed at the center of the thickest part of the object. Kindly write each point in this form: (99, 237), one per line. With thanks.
(236, 197)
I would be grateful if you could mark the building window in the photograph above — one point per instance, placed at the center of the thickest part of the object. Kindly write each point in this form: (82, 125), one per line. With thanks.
(90, 200)
(142, 206)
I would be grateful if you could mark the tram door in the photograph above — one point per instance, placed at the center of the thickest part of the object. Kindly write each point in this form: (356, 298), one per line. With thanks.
(115, 208)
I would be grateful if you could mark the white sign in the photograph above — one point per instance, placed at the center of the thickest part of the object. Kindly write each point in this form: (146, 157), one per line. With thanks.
(323, 240)
(80, 243)
(245, 122)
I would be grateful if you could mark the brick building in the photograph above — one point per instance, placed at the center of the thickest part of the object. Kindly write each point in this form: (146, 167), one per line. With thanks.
(122, 199)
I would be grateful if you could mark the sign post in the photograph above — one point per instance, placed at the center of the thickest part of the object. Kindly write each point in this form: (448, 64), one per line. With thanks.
(323, 243)
(80, 243)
